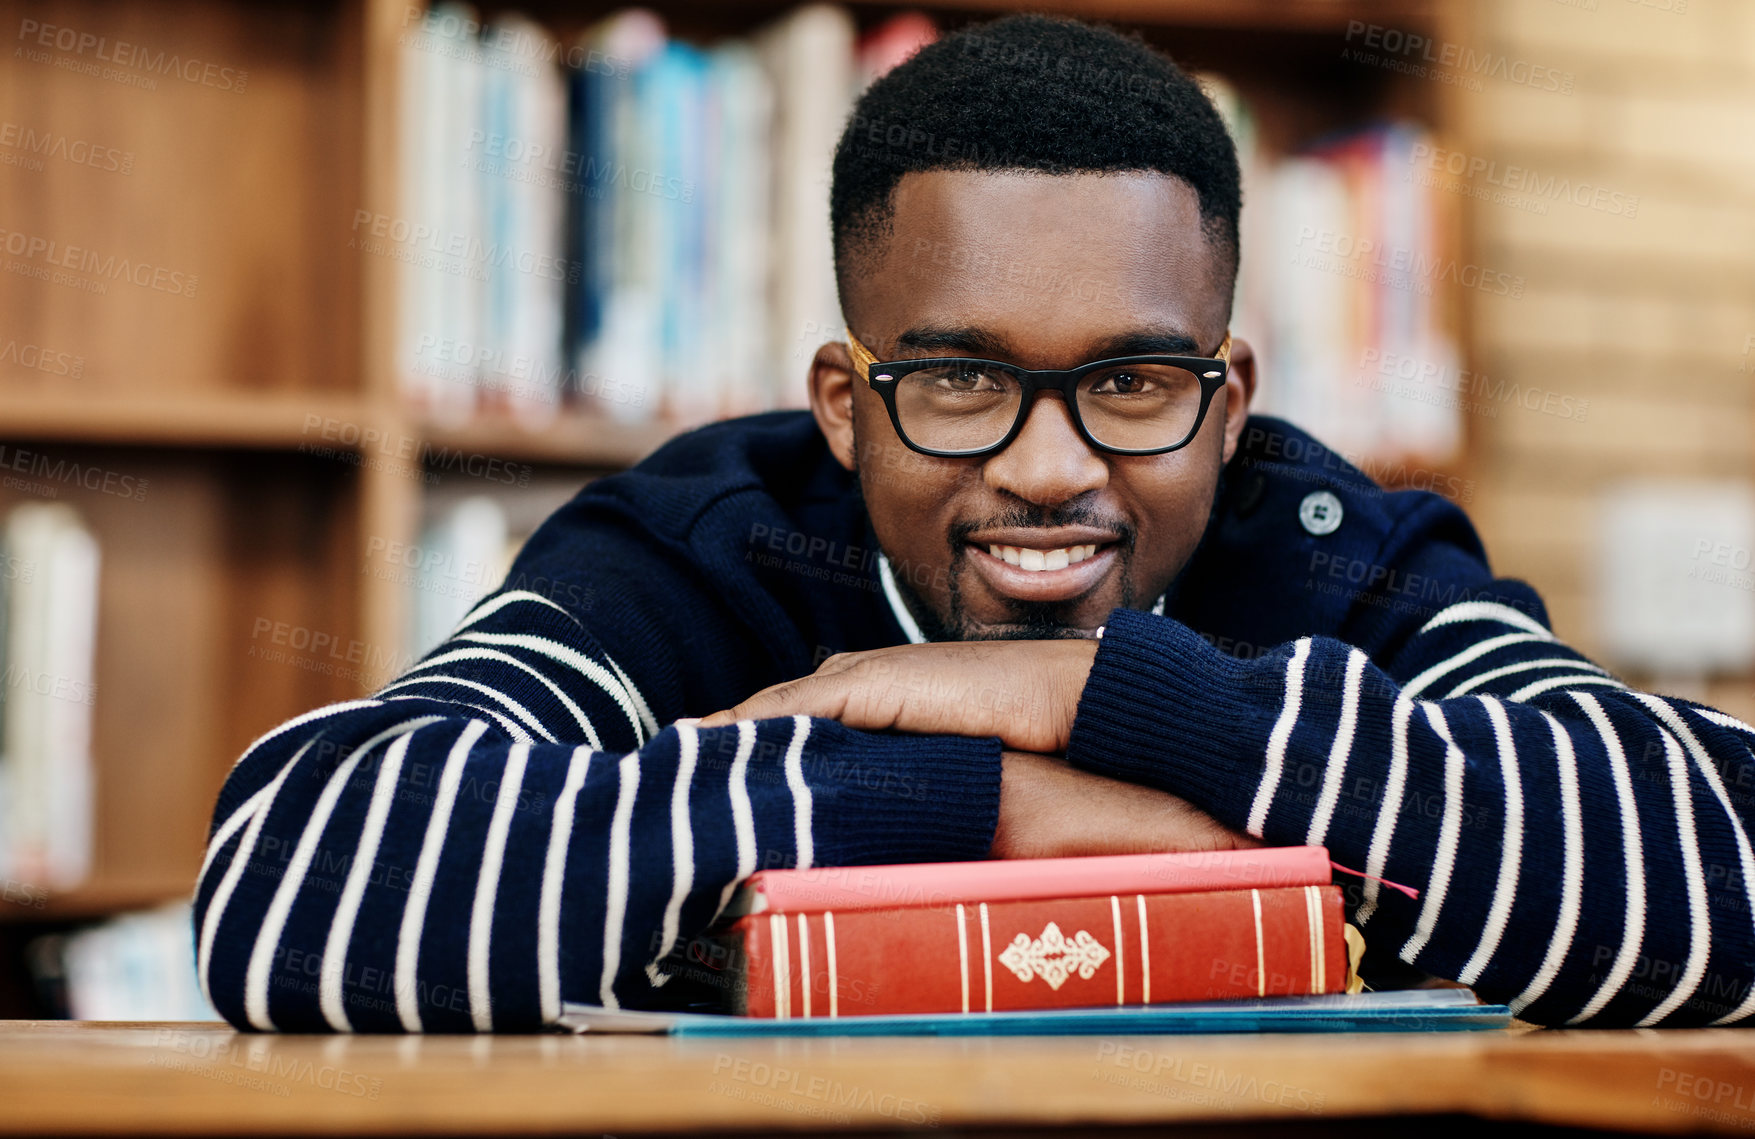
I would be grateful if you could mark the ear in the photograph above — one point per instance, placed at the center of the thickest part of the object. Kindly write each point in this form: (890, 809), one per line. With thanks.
(831, 398)
(1239, 392)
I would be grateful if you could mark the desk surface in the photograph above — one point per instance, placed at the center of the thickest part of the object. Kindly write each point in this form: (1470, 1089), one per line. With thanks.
(58, 1077)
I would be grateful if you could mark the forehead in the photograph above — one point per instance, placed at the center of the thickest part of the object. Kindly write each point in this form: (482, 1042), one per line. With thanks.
(1044, 259)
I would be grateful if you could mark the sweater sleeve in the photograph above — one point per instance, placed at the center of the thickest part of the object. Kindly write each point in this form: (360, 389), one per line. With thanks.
(1581, 850)
(507, 826)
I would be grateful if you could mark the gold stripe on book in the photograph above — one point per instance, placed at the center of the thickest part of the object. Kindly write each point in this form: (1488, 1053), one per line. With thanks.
(782, 987)
(1145, 954)
(834, 983)
(987, 956)
(1260, 956)
(1311, 921)
(963, 953)
(804, 960)
(1316, 934)
(1120, 972)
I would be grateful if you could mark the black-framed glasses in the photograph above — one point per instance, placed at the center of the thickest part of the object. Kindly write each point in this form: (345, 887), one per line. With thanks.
(961, 407)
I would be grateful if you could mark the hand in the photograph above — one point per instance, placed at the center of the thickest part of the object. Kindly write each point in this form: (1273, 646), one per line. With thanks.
(1024, 692)
(1048, 809)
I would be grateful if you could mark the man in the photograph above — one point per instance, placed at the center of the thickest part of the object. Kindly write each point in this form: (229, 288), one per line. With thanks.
(1068, 605)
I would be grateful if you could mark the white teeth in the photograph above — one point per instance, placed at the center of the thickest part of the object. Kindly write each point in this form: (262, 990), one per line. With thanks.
(1040, 561)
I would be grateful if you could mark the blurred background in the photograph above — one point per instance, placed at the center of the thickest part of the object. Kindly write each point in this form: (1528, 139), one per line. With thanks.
(311, 312)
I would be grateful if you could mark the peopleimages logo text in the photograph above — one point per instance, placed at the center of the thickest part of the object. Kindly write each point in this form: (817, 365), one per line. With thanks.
(136, 57)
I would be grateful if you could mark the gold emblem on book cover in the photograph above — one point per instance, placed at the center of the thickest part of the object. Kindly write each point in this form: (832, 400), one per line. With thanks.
(1053, 956)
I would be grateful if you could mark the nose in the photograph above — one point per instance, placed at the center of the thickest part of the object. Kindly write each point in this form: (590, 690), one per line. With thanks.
(1049, 462)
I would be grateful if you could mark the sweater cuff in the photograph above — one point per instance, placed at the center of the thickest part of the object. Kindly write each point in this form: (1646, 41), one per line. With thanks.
(1165, 709)
(883, 798)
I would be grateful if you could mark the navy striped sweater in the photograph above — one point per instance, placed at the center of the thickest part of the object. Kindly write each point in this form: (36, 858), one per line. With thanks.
(519, 820)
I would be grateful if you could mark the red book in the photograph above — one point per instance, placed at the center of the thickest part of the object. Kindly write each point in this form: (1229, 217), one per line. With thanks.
(841, 888)
(1116, 949)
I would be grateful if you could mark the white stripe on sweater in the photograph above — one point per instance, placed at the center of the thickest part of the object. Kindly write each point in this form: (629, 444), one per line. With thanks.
(1338, 753)
(300, 721)
(743, 823)
(524, 714)
(1449, 830)
(1571, 870)
(1709, 772)
(365, 857)
(682, 848)
(1473, 653)
(554, 875)
(1633, 856)
(616, 895)
(426, 868)
(1464, 611)
(566, 701)
(801, 797)
(488, 606)
(512, 727)
(1563, 682)
(1511, 847)
(1390, 809)
(1491, 675)
(274, 921)
(634, 694)
(1722, 720)
(487, 889)
(1282, 732)
(1699, 920)
(573, 659)
(259, 805)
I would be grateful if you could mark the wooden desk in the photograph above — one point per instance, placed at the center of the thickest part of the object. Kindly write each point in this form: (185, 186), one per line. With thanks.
(59, 1077)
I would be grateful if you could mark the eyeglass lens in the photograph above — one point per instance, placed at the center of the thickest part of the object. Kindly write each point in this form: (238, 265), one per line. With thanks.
(968, 405)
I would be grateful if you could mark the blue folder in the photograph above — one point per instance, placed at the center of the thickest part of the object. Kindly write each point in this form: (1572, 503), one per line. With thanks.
(1413, 1010)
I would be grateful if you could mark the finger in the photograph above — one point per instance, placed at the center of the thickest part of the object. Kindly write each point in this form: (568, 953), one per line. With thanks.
(792, 698)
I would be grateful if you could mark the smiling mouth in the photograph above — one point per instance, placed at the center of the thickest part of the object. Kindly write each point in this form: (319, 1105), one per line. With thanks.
(1041, 561)
(1044, 574)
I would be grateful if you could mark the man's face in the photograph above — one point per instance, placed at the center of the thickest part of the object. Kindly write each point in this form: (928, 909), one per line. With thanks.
(1042, 271)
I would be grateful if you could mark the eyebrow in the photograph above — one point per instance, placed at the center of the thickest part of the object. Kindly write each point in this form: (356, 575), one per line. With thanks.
(972, 341)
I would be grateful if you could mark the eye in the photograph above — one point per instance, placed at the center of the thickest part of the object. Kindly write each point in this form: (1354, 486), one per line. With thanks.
(967, 378)
(1122, 383)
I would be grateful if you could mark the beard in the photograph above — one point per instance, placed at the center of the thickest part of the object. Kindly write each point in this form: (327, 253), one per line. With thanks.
(1023, 620)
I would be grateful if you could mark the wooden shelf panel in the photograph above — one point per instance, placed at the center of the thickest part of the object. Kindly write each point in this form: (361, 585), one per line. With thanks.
(97, 899)
(264, 422)
(323, 423)
(572, 440)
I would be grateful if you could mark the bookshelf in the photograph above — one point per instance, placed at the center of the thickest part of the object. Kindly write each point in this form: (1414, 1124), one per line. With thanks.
(250, 382)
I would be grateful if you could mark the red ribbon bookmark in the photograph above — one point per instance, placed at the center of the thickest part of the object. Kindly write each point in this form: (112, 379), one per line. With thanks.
(1408, 890)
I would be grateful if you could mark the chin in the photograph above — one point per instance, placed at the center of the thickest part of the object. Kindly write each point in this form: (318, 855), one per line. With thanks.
(1032, 633)
(1027, 623)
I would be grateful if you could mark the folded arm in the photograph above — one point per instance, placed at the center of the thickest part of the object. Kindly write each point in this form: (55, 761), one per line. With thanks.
(1581, 850)
(507, 827)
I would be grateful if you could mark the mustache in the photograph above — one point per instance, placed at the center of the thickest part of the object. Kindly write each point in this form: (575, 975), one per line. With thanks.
(1028, 516)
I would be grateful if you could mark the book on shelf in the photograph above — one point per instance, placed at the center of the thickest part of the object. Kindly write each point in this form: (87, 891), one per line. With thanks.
(137, 966)
(50, 578)
(1348, 265)
(631, 224)
(468, 541)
